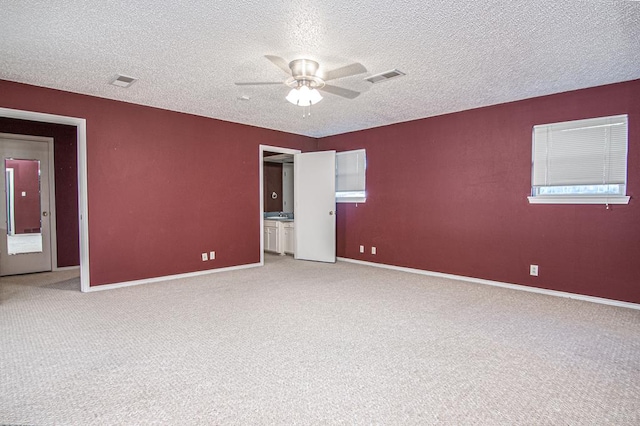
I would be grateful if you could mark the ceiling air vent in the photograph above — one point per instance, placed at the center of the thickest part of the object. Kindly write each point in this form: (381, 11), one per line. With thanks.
(123, 81)
(383, 76)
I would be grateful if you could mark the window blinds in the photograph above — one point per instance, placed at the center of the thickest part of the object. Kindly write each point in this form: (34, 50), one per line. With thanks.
(350, 175)
(582, 152)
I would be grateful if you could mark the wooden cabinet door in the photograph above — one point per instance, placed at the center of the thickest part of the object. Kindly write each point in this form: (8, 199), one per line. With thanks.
(288, 239)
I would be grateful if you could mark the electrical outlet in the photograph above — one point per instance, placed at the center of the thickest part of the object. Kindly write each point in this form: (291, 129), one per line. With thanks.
(533, 270)
(361, 249)
(373, 250)
(212, 255)
(204, 257)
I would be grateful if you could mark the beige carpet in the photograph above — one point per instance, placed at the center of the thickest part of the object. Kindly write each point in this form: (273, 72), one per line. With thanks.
(309, 343)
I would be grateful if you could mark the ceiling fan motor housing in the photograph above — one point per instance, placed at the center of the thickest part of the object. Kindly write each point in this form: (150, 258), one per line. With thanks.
(303, 73)
(303, 68)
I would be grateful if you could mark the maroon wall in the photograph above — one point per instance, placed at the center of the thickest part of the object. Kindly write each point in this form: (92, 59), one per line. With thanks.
(26, 180)
(163, 187)
(66, 182)
(448, 194)
(445, 194)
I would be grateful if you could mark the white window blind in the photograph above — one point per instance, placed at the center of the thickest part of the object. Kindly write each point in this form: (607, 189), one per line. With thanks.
(584, 159)
(351, 176)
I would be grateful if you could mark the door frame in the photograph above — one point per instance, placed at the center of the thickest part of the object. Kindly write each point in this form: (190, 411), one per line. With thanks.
(81, 152)
(9, 179)
(53, 241)
(262, 149)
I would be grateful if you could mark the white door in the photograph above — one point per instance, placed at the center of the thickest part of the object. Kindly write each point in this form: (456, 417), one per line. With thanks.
(25, 237)
(315, 206)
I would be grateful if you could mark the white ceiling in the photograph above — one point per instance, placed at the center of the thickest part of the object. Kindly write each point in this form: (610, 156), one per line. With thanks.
(187, 54)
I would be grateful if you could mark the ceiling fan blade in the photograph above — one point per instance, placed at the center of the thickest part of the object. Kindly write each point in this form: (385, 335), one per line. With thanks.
(257, 83)
(335, 90)
(280, 63)
(346, 71)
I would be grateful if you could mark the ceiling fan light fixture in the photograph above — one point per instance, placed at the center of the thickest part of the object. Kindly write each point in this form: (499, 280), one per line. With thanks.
(304, 96)
(314, 96)
(293, 96)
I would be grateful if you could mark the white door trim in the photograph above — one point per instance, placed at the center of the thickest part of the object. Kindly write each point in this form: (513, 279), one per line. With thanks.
(9, 179)
(52, 191)
(83, 208)
(279, 150)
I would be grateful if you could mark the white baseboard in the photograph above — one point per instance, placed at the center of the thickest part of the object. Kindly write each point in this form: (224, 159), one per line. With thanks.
(169, 277)
(66, 268)
(556, 293)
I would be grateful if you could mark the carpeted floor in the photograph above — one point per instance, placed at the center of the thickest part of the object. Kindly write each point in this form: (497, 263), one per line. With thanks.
(309, 343)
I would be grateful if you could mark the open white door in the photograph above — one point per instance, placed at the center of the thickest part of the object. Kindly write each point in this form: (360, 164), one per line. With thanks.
(315, 206)
(25, 221)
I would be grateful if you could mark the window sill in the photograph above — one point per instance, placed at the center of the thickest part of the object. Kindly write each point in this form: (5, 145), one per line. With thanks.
(579, 199)
(351, 196)
(350, 200)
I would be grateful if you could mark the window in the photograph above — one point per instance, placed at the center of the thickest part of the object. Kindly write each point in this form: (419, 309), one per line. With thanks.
(350, 176)
(580, 162)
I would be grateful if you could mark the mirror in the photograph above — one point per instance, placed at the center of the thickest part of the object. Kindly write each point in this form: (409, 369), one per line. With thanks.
(278, 178)
(22, 189)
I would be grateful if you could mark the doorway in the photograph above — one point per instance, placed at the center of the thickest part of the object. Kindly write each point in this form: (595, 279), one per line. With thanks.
(314, 227)
(81, 125)
(283, 155)
(278, 183)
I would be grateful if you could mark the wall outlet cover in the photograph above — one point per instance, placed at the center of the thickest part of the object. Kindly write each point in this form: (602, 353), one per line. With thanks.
(533, 270)
(212, 255)
(204, 257)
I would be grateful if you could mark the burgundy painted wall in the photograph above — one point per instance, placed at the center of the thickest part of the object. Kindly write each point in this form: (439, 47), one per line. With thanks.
(448, 194)
(445, 194)
(26, 179)
(272, 176)
(66, 182)
(163, 187)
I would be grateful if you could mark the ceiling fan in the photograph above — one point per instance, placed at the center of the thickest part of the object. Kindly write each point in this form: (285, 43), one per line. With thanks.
(305, 83)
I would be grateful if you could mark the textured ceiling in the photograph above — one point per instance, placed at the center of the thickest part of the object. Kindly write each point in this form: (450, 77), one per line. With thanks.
(187, 55)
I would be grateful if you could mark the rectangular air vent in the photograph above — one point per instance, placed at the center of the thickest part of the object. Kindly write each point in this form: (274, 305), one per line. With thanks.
(383, 76)
(123, 81)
